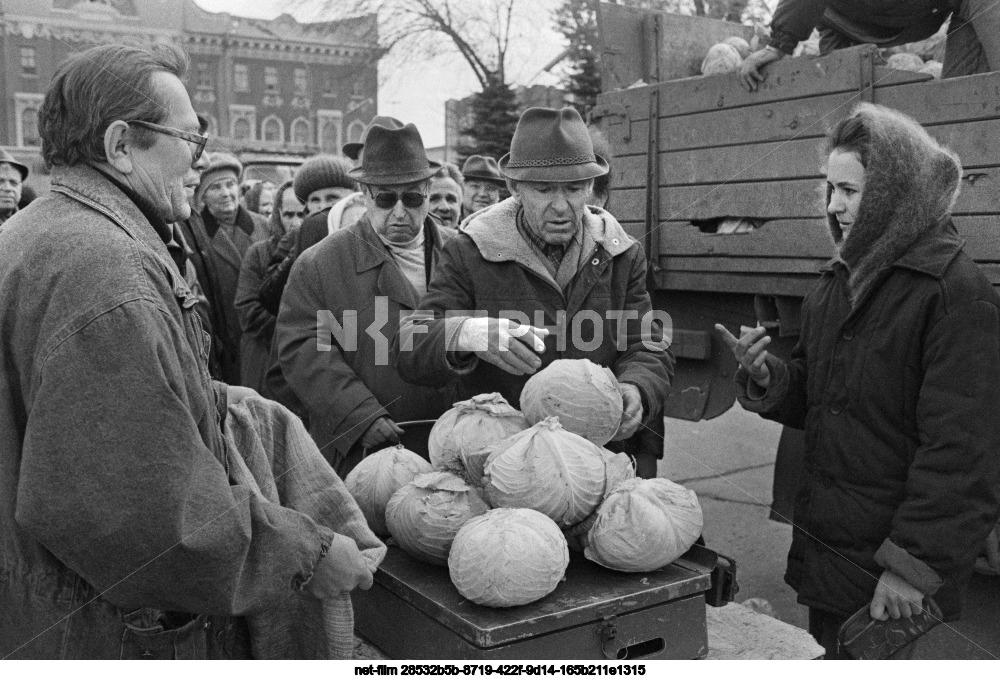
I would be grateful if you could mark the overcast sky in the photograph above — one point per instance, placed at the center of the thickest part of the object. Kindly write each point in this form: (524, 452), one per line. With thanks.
(417, 91)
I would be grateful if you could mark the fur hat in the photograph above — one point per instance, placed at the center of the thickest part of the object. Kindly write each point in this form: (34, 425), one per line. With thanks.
(322, 172)
(552, 145)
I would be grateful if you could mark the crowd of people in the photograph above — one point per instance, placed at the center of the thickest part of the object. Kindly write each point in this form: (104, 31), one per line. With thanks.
(191, 369)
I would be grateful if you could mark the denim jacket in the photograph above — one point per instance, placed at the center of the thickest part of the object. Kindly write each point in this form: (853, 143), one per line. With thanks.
(115, 502)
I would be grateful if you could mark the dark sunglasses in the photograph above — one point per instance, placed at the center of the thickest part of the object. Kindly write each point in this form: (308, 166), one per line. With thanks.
(199, 140)
(388, 199)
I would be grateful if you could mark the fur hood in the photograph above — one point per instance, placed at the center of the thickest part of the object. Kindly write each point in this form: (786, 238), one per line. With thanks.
(911, 183)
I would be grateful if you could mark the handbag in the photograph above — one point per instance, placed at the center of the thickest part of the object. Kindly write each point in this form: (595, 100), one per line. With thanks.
(865, 638)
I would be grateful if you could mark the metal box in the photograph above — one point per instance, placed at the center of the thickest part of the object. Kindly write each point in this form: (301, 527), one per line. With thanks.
(414, 612)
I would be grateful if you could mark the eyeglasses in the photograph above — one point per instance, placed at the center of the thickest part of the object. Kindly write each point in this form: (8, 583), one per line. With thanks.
(388, 199)
(199, 140)
(288, 214)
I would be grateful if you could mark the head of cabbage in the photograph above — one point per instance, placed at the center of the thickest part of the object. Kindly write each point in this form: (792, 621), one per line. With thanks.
(508, 557)
(583, 395)
(374, 480)
(548, 469)
(618, 468)
(470, 426)
(644, 524)
(424, 515)
(722, 57)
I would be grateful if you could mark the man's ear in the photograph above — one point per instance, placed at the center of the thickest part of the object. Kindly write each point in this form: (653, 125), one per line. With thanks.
(118, 146)
(512, 187)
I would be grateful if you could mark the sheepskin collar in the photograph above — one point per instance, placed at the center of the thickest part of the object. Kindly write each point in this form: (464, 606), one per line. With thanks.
(911, 183)
(494, 231)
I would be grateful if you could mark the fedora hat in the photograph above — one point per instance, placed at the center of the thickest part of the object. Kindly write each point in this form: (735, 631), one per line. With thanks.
(352, 149)
(393, 156)
(482, 167)
(5, 157)
(552, 145)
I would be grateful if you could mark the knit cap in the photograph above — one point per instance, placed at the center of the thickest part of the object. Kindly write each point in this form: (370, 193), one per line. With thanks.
(322, 172)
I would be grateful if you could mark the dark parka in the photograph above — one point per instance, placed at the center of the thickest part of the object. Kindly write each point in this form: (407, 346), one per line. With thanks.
(896, 381)
(346, 380)
(490, 269)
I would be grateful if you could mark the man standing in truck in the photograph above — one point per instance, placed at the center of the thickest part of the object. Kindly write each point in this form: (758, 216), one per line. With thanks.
(546, 256)
(973, 44)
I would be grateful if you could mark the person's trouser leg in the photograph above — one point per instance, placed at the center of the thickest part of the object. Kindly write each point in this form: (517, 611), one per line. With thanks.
(825, 627)
(973, 44)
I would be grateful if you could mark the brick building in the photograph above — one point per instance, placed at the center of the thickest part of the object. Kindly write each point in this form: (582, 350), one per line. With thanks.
(280, 86)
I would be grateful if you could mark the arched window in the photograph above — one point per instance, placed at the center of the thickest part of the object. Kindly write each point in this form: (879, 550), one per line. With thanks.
(29, 127)
(301, 131)
(355, 130)
(273, 129)
(241, 129)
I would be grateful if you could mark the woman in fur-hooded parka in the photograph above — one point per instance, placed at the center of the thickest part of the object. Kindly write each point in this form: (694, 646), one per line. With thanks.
(896, 381)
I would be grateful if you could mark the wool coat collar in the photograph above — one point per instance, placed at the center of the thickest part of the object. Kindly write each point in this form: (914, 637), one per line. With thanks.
(494, 231)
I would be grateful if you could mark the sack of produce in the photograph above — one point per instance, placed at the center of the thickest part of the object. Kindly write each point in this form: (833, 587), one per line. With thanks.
(548, 469)
(469, 426)
(424, 515)
(644, 524)
(374, 480)
(508, 557)
(583, 395)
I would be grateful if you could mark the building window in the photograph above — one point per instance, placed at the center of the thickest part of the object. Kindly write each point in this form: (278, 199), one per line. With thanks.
(242, 122)
(204, 77)
(330, 124)
(271, 79)
(328, 90)
(301, 131)
(301, 81)
(241, 78)
(26, 107)
(273, 129)
(355, 130)
(28, 66)
(241, 129)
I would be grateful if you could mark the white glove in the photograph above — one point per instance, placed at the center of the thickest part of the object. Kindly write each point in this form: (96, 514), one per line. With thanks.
(504, 343)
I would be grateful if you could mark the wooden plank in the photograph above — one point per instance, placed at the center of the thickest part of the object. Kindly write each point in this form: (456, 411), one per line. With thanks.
(982, 235)
(794, 285)
(976, 143)
(793, 199)
(787, 79)
(764, 265)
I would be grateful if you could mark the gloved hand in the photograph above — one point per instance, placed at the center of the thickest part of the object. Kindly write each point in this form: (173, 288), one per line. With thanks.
(750, 74)
(381, 433)
(631, 411)
(504, 343)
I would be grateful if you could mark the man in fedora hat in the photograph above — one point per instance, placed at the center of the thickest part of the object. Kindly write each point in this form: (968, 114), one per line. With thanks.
(12, 177)
(344, 299)
(546, 258)
(483, 184)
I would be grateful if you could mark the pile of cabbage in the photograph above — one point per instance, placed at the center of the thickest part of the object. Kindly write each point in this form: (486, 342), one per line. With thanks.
(507, 494)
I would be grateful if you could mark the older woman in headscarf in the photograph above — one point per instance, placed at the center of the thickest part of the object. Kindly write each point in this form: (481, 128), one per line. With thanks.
(896, 382)
(256, 321)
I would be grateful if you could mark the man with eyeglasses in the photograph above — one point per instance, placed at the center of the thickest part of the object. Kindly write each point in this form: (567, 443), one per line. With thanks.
(343, 302)
(131, 523)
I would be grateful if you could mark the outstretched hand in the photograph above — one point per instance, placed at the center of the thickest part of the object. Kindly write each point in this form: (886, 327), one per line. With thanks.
(508, 345)
(750, 351)
(750, 74)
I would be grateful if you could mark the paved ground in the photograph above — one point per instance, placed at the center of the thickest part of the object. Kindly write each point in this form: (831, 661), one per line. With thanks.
(729, 462)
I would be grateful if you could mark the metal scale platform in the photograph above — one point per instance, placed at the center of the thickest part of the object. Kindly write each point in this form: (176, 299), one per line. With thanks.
(414, 612)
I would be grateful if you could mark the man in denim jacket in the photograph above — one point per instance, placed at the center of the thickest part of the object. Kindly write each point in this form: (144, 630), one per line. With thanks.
(122, 530)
